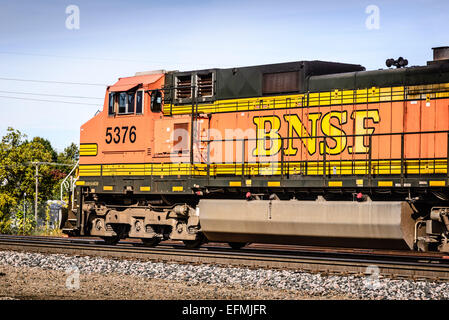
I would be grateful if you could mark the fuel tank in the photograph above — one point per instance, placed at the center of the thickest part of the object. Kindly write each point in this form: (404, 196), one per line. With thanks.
(368, 224)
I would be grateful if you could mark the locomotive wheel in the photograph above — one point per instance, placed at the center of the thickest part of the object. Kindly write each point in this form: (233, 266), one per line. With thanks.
(111, 240)
(237, 245)
(150, 242)
(193, 244)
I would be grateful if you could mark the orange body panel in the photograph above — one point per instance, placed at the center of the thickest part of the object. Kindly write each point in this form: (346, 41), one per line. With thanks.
(94, 131)
(157, 142)
(387, 118)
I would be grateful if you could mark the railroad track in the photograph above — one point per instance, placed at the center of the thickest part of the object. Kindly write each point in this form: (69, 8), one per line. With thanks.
(391, 264)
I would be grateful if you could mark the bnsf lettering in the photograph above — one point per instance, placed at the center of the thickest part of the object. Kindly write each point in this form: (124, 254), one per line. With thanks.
(331, 125)
(117, 137)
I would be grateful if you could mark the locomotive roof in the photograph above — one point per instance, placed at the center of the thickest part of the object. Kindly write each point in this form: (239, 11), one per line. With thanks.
(319, 66)
(127, 83)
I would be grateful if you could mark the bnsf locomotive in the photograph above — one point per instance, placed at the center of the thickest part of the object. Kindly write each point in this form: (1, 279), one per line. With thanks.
(308, 152)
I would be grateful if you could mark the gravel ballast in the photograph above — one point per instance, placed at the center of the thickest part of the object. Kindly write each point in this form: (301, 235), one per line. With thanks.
(187, 281)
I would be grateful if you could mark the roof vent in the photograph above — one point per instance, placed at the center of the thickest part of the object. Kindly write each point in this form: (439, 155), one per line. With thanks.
(440, 55)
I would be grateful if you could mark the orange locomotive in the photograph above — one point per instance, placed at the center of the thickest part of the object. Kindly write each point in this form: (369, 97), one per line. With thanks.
(305, 152)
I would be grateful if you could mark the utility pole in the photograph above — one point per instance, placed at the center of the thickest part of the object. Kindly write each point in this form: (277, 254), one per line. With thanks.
(37, 191)
(24, 212)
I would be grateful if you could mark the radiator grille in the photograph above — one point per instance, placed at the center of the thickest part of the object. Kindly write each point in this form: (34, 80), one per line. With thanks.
(184, 89)
(205, 85)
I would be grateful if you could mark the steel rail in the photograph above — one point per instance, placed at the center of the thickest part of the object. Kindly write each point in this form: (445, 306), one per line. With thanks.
(425, 267)
(436, 257)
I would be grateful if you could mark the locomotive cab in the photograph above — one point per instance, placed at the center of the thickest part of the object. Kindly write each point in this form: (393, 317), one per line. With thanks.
(128, 145)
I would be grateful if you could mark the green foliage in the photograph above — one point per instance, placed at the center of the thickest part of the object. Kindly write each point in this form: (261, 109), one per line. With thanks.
(6, 203)
(24, 225)
(17, 175)
(48, 147)
(71, 154)
(16, 169)
(44, 231)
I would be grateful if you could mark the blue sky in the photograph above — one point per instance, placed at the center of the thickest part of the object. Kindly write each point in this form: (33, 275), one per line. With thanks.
(118, 38)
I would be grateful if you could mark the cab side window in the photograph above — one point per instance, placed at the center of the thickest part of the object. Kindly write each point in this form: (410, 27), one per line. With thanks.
(156, 101)
(122, 103)
(139, 102)
(111, 108)
(126, 102)
(130, 102)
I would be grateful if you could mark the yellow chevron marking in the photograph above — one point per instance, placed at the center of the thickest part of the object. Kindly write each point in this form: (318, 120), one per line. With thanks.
(88, 149)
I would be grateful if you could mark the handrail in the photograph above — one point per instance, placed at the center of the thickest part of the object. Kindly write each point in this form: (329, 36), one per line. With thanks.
(372, 165)
(65, 179)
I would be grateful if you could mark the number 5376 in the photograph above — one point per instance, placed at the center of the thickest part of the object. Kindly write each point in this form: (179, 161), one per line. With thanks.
(120, 134)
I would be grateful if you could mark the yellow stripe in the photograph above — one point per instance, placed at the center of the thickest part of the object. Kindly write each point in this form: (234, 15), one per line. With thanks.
(235, 184)
(145, 188)
(385, 183)
(80, 183)
(88, 149)
(335, 97)
(437, 183)
(108, 188)
(335, 183)
(274, 183)
(177, 188)
(89, 170)
(345, 167)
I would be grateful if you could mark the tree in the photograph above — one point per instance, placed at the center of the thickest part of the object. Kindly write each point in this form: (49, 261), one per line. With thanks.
(70, 154)
(46, 143)
(17, 174)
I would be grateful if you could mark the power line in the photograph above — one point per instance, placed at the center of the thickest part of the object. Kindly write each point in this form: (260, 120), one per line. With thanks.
(76, 58)
(12, 166)
(107, 59)
(28, 164)
(50, 95)
(42, 100)
(70, 83)
(59, 82)
(67, 57)
(38, 163)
